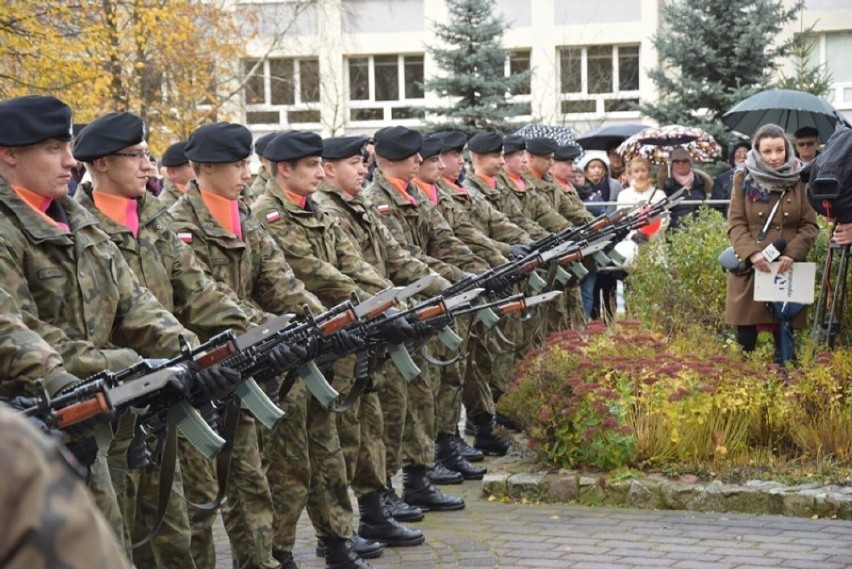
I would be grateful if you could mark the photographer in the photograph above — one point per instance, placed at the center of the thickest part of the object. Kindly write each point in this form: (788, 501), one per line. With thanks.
(768, 203)
(843, 234)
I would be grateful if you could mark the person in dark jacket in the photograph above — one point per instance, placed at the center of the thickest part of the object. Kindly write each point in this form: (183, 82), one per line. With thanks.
(697, 183)
(737, 152)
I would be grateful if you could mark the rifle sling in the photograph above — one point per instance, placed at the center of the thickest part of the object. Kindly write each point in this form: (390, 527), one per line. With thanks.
(167, 476)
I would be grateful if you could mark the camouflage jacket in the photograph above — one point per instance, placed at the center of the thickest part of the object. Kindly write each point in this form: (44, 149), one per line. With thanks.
(49, 519)
(254, 268)
(423, 230)
(359, 220)
(318, 250)
(563, 200)
(462, 225)
(505, 202)
(533, 204)
(77, 291)
(257, 187)
(487, 219)
(25, 356)
(169, 194)
(168, 268)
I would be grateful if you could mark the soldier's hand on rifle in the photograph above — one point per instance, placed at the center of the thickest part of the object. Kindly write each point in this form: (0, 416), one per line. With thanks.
(519, 250)
(396, 331)
(216, 382)
(339, 344)
(286, 356)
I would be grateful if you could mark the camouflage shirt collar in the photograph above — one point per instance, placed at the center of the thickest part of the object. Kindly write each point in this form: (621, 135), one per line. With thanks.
(32, 224)
(206, 222)
(394, 195)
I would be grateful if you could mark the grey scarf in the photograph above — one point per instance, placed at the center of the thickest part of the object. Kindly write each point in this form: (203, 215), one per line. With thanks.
(773, 179)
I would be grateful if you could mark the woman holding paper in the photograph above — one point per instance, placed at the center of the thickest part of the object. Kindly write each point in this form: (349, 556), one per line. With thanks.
(768, 205)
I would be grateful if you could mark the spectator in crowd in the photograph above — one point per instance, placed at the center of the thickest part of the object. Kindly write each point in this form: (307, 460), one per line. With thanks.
(698, 184)
(725, 181)
(768, 202)
(807, 142)
(617, 171)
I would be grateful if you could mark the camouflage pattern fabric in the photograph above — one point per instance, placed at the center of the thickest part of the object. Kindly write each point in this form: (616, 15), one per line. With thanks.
(49, 519)
(169, 194)
(560, 200)
(504, 201)
(257, 186)
(420, 227)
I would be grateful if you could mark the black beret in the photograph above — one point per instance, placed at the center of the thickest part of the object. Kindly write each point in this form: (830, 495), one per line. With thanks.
(486, 143)
(397, 142)
(341, 147)
(567, 152)
(452, 139)
(260, 143)
(806, 131)
(541, 146)
(107, 134)
(174, 155)
(514, 143)
(293, 145)
(32, 119)
(219, 143)
(432, 146)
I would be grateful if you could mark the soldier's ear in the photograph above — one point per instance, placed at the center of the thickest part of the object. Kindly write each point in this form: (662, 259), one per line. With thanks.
(8, 155)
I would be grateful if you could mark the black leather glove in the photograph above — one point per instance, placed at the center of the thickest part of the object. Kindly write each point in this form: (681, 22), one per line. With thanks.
(500, 284)
(339, 344)
(285, 356)
(395, 331)
(138, 454)
(519, 250)
(216, 382)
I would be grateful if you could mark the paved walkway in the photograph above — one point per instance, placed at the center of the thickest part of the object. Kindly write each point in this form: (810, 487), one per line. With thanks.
(491, 534)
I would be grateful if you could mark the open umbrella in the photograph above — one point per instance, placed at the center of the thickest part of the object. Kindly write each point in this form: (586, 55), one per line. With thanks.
(791, 110)
(657, 143)
(605, 137)
(563, 135)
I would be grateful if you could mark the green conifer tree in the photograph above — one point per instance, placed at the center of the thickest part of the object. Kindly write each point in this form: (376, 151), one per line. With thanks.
(714, 54)
(472, 60)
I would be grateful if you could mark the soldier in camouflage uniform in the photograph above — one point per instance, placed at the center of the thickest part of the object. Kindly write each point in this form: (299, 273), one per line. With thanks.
(416, 223)
(177, 173)
(540, 152)
(236, 249)
(65, 272)
(50, 520)
(341, 194)
(263, 177)
(323, 256)
(113, 148)
(437, 180)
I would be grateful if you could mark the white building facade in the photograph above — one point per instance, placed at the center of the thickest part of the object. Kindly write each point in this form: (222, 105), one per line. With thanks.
(353, 66)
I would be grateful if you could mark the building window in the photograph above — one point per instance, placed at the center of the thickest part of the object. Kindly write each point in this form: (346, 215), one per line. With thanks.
(833, 52)
(282, 91)
(519, 62)
(386, 87)
(599, 79)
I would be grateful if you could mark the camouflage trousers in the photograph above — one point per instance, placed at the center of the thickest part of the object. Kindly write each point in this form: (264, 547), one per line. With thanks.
(360, 430)
(138, 493)
(100, 486)
(418, 445)
(305, 462)
(403, 435)
(247, 513)
(489, 368)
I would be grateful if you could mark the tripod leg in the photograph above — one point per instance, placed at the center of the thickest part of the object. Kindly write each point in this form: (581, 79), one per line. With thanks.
(819, 333)
(839, 297)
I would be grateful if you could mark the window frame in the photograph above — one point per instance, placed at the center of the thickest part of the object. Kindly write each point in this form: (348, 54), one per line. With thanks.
(390, 110)
(283, 110)
(599, 101)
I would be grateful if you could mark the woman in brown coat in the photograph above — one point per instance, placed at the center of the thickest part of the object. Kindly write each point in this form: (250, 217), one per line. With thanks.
(768, 202)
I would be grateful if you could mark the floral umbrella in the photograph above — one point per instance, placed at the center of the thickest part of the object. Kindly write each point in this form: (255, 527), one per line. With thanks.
(563, 135)
(657, 143)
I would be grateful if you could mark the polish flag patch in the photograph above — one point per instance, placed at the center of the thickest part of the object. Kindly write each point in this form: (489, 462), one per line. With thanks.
(185, 236)
(383, 208)
(273, 216)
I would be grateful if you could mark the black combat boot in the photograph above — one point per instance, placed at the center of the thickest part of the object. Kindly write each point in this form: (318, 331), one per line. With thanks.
(441, 475)
(397, 508)
(365, 548)
(418, 491)
(339, 554)
(376, 525)
(485, 440)
(448, 455)
(467, 452)
(285, 558)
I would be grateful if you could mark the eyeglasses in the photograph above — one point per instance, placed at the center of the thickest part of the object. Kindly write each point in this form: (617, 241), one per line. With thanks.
(680, 161)
(142, 155)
